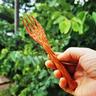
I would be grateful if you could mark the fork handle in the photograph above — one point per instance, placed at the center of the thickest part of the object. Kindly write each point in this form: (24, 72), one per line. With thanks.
(71, 67)
(71, 83)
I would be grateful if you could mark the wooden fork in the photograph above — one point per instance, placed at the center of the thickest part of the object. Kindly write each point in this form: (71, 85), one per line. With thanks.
(36, 31)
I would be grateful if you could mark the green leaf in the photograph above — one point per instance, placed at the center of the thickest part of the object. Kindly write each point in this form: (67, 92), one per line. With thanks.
(94, 16)
(76, 23)
(75, 19)
(82, 15)
(55, 15)
(58, 20)
(75, 26)
(64, 26)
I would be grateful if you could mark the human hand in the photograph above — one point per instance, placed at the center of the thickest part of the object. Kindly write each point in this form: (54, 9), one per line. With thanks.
(85, 74)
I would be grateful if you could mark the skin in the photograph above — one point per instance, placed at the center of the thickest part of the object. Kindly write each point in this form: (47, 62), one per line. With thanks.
(85, 74)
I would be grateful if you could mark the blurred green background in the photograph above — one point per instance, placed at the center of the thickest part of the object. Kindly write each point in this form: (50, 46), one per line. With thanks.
(68, 23)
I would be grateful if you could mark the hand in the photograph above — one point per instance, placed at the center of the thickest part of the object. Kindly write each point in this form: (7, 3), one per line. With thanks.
(85, 74)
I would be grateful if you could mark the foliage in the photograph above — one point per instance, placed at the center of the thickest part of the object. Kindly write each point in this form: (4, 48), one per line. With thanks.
(22, 59)
(7, 13)
(4, 92)
(72, 23)
(24, 67)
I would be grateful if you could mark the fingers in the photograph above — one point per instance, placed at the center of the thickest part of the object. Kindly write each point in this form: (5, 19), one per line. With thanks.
(63, 85)
(62, 82)
(57, 74)
(49, 64)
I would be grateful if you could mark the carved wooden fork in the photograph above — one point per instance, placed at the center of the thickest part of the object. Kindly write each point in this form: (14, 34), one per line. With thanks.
(36, 31)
